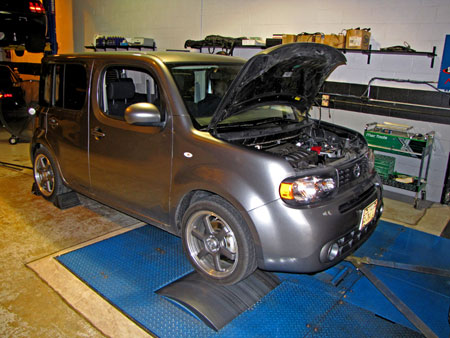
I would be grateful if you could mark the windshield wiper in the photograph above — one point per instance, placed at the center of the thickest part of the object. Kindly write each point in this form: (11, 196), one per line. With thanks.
(256, 123)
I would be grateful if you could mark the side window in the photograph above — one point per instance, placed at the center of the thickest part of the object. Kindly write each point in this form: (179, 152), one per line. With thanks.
(45, 85)
(70, 86)
(122, 86)
(75, 86)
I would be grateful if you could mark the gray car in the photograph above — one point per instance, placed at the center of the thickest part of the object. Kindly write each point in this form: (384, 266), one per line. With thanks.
(215, 149)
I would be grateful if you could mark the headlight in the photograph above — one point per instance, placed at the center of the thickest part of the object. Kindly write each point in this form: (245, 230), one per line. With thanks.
(307, 189)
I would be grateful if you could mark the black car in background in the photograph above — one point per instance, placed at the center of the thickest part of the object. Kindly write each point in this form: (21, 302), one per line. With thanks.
(23, 26)
(13, 107)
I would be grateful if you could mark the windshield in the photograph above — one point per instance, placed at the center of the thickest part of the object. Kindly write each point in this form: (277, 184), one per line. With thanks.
(203, 86)
(265, 114)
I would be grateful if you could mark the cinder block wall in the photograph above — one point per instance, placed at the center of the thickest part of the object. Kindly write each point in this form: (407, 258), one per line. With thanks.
(421, 23)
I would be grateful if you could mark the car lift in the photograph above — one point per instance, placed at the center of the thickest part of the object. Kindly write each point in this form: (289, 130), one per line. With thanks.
(361, 264)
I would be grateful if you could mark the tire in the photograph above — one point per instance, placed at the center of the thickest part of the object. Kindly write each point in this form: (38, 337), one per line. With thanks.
(217, 241)
(19, 52)
(46, 175)
(35, 43)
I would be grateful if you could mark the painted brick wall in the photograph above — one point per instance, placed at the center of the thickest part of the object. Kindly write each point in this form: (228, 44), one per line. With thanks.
(422, 23)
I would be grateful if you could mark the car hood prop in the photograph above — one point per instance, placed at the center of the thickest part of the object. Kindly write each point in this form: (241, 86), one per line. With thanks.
(291, 73)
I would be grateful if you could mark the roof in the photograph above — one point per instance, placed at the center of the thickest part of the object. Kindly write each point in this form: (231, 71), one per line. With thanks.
(165, 57)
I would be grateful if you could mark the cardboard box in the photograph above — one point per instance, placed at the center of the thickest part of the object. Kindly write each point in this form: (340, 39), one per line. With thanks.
(253, 42)
(335, 40)
(357, 39)
(307, 37)
(289, 38)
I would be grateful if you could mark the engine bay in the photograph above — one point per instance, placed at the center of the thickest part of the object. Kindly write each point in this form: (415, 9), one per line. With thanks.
(311, 144)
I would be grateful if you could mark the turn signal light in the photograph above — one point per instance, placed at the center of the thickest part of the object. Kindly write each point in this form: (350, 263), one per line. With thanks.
(286, 191)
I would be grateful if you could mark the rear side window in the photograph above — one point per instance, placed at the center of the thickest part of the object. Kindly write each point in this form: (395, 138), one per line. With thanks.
(63, 85)
(45, 85)
(70, 86)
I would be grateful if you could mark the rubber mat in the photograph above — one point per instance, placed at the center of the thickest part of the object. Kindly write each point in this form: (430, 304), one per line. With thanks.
(128, 269)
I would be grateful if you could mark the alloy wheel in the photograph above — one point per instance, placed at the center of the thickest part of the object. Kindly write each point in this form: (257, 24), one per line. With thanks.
(212, 244)
(44, 175)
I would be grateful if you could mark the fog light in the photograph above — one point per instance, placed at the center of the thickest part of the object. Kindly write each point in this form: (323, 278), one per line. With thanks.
(333, 251)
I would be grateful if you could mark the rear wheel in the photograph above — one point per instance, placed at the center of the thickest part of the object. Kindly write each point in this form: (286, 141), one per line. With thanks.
(217, 241)
(46, 175)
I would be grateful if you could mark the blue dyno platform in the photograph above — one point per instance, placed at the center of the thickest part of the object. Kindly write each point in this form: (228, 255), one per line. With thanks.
(340, 302)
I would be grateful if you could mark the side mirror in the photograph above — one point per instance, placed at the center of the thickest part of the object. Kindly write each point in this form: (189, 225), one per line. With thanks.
(143, 114)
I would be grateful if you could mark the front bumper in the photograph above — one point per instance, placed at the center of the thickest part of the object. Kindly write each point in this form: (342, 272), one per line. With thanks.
(300, 239)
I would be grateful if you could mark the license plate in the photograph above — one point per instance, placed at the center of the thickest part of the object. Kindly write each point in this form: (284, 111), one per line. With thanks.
(368, 214)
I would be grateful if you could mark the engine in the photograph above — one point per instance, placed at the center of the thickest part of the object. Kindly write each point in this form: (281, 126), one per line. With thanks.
(315, 144)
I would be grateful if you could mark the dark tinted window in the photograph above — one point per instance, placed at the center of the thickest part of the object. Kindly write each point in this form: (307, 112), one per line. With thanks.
(59, 86)
(45, 85)
(75, 87)
(70, 86)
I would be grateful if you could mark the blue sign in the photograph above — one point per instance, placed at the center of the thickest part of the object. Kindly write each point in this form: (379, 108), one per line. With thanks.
(444, 72)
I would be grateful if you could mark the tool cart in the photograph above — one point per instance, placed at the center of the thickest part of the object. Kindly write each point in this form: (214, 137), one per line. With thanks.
(399, 139)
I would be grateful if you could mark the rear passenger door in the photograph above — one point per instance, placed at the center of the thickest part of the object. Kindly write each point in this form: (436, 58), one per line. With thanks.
(65, 94)
(129, 165)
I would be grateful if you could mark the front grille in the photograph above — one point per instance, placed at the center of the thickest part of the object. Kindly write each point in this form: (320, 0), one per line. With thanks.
(357, 200)
(352, 172)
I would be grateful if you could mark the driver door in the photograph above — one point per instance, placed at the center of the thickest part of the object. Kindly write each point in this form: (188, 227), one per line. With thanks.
(129, 165)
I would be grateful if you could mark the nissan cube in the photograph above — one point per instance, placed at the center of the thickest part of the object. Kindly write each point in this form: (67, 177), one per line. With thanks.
(215, 149)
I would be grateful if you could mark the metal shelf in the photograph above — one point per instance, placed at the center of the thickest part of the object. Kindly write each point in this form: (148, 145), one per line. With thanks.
(371, 51)
(368, 52)
(395, 141)
(116, 48)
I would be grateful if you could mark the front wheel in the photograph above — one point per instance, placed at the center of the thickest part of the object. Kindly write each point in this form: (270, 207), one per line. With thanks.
(217, 241)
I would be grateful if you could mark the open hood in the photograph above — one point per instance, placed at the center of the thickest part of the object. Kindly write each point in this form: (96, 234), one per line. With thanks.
(291, 73)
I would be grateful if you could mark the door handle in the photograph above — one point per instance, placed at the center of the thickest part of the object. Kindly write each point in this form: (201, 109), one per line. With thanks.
(97, 133)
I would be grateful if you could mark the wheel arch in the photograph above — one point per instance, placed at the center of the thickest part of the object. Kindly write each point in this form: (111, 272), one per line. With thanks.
(34, 148)
(195, 195)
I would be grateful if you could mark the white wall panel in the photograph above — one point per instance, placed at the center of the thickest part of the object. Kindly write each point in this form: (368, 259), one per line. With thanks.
(421, 23)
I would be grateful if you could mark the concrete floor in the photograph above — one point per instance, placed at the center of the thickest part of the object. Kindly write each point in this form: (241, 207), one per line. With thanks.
(33, 228)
